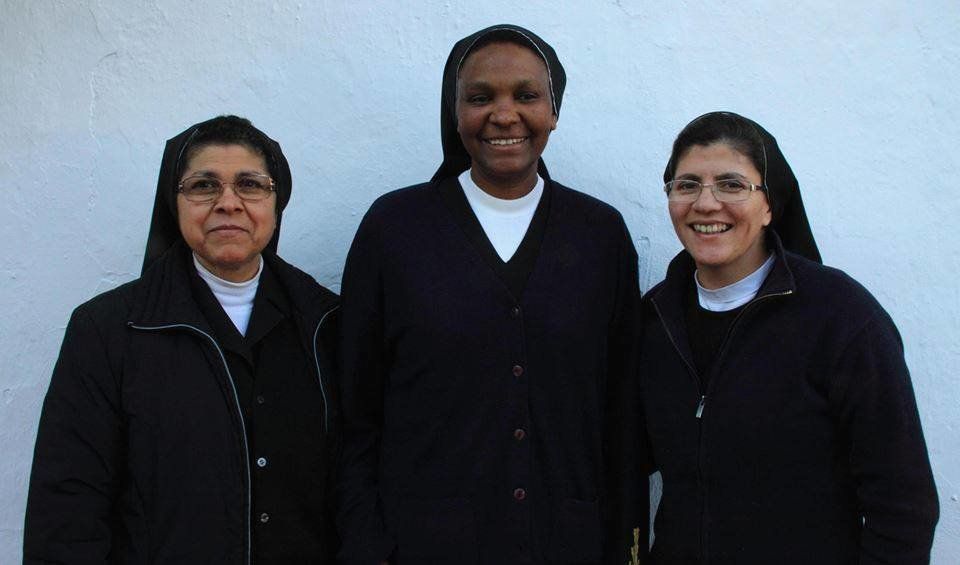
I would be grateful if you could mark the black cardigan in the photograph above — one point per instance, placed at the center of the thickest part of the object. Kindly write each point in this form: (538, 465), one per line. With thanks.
(478, 425)
(805, 446)
(142, 457)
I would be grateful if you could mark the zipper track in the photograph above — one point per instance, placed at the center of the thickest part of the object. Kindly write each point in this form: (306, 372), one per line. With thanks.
(316, 362)
(698, 414)
(701, 404)
(236, 398)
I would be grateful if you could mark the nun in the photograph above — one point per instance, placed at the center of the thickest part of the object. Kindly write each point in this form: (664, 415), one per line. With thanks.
(190, 417)
(489, 317)
(779, 408)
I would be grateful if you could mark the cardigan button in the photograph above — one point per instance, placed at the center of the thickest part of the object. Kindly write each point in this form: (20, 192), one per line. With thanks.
(517, 370)
(262, 462)
(515, 312)
(519, 434)
(519, 494)
(264, 518)
(260, 399)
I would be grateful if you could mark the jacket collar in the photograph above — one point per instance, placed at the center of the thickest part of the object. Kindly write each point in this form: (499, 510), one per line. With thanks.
(667, 297)
(310, 301)
(164, 296)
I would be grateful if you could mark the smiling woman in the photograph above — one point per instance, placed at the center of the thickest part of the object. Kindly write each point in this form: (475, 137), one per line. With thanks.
(504, 116)
(487, 342)
(722, 235)
(775, 393)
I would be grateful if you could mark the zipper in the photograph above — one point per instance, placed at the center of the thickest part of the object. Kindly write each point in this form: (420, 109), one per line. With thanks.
(673, 342)
(316, 362)
(698, 414)
(701, 404)
(236, 398)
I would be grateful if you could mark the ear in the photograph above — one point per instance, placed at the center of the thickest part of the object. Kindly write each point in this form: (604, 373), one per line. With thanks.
(553, 122)
(768, 214)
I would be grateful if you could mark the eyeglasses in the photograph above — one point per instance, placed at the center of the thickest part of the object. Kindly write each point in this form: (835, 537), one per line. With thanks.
(724, 190)
(204, 189)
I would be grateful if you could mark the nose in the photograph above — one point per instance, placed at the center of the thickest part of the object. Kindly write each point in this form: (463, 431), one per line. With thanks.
(706, 201)
(228, 200)
(504, 114)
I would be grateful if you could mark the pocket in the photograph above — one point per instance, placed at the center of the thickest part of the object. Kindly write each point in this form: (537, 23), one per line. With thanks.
(577, 533)
(440, 531)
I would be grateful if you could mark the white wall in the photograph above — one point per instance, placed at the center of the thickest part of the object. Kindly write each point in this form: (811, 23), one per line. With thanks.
(862, 97)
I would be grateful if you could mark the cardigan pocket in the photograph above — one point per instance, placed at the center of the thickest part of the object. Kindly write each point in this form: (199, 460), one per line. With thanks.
(577, 536)
(437, 531)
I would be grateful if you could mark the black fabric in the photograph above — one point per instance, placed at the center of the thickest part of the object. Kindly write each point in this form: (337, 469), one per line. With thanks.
(707, 331)
(141, 450)
(164, 229)
(455, 156)
(243, 353)
(783, 192)
(808, 448)
(443, 365)
(515, 271)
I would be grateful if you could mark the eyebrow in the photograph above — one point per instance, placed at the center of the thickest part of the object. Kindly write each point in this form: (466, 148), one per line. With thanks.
(484, 85)
(721, 176)
(211, 174)
(731, 175)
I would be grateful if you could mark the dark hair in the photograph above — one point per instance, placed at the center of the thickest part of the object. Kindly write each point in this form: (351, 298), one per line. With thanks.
(227, 130)
(720, 127)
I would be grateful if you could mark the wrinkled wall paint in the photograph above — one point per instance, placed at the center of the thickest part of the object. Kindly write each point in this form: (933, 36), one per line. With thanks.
(861, 96)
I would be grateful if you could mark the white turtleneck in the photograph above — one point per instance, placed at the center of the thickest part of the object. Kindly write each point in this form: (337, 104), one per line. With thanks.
(504, 221)
(236, 299)
(734, 295)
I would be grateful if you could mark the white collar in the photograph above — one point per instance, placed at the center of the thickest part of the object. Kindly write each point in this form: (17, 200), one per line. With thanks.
(479, 197)
(229, 291)
(733, 295)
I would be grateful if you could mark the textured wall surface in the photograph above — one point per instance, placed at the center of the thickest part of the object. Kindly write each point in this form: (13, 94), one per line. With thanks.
(861, 95)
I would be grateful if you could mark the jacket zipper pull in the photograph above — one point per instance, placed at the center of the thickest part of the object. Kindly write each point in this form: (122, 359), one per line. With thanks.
(703, 400)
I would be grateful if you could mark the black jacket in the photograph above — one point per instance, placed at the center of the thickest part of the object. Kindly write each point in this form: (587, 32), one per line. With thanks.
(475, 421)
(805, 447)
(142, 455)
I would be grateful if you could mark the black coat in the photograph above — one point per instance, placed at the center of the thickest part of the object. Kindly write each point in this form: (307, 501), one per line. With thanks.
(475, 421)
(142, 455)
(806, 445)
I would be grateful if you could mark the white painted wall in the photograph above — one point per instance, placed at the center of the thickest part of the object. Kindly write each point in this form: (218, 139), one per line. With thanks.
(861, 95)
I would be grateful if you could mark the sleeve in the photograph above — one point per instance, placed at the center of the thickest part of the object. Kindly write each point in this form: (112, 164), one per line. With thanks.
(360, 520)
(627, 508)
(888, 456)
(78, 456)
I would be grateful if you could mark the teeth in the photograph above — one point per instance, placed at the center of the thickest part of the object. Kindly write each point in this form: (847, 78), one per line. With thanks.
(710, 228)
(512, 141)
